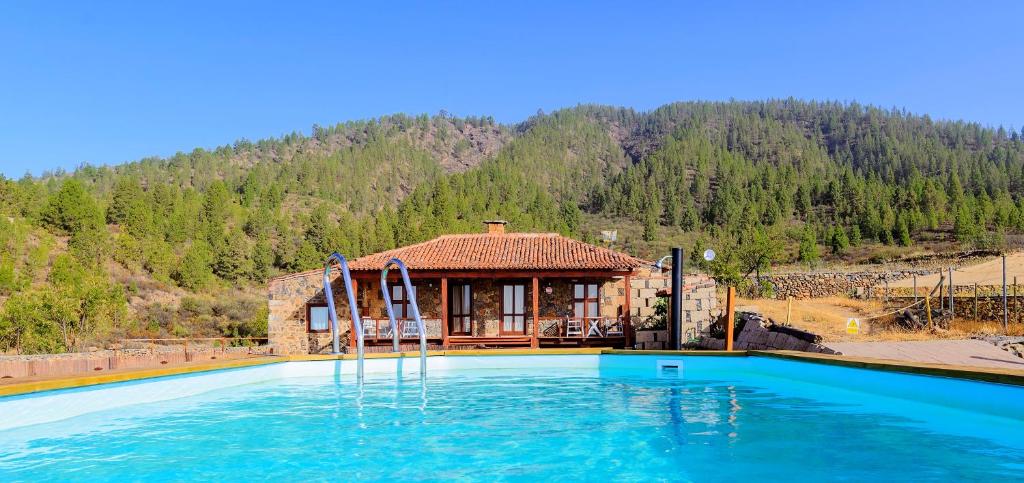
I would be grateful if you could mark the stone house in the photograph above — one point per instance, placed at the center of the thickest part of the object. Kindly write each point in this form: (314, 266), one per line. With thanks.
(493, 289)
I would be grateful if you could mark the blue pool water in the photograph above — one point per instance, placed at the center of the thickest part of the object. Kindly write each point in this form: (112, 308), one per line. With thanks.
(714, 420)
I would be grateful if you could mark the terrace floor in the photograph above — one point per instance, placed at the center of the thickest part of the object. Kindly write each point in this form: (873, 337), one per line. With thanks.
(976, 353)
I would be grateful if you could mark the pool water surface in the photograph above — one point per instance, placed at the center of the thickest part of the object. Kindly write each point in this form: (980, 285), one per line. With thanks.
(708, 420)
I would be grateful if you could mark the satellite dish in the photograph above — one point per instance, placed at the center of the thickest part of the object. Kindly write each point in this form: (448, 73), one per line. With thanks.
(709, 254)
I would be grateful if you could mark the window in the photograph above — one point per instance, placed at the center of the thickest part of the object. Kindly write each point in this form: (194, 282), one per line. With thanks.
(461, 309)
(400, 302)
(585, 300)
(513, 309)
(363, 294)
(317, 319)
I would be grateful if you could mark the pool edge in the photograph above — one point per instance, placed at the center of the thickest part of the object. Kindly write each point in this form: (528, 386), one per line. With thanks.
(991, 375)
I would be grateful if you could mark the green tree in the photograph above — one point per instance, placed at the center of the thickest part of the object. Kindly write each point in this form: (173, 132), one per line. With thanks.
(231, 261)
(72, 210)
(262, 259)
(839, 242)
(193, 271)
(808, 252)
(965, 228)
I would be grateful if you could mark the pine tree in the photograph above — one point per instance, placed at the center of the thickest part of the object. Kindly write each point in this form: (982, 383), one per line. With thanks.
(808, 252)
(193, 271)
(840, 242)
(262, 259)
(902, 234)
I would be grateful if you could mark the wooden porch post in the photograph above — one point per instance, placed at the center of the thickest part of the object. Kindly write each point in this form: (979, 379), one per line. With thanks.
(444, 312)
(627, 322)
(730, 317)
(535, 340)
(352, 332)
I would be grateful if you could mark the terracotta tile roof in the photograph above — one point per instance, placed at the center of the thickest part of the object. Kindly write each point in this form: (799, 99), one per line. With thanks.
(507, 251)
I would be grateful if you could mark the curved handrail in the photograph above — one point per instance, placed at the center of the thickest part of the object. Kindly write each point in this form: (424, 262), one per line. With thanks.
(411, 294)
(353, 308)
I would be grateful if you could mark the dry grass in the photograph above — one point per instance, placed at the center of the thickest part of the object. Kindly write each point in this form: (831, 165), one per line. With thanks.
(986, 327)
(827, 317)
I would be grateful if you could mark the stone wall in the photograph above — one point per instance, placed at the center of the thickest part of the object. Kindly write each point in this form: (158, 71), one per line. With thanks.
(97, 362)
(760, 334)
(286, 324)
(827, 284)
(700, 301)
(652, 339)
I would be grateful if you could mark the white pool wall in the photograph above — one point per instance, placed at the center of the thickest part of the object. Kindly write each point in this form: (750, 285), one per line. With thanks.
(996, 399)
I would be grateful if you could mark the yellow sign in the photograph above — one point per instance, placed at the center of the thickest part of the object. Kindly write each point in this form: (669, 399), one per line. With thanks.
(852, 326)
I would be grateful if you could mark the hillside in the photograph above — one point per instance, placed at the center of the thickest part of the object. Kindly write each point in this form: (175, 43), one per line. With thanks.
(183, 245)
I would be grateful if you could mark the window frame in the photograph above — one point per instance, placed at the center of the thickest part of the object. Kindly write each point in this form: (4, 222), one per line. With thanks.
(454, 314)
(502, 313)
(309, 318)
(586, 300)
(404, 303)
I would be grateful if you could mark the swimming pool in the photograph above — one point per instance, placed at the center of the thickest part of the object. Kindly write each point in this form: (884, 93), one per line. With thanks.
(543, 417)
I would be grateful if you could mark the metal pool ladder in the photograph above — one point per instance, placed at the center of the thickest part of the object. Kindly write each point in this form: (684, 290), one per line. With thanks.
(353, 308)
(413, 306)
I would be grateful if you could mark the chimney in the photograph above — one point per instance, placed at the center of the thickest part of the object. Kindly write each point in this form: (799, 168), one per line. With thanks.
(495, 227)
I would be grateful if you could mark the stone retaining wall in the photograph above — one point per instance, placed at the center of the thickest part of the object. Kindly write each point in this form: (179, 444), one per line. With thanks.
(827, 284)
(56, 365)
(760, 334)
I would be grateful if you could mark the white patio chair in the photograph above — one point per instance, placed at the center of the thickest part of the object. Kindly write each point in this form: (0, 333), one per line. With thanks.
(409, 329)
(384, 330)
(573, 327)
(369, 328)
(614, 328)
(594, 327)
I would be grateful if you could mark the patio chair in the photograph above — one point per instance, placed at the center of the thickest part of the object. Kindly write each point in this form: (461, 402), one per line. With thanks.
(384, 330)
(594, 327)
(369, 328)
(573, 327)
(614, 328)
(409, 329)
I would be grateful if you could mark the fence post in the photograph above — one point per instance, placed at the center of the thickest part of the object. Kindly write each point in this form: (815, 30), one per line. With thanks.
(942, 295)
(789, 309)
(952, 313)
(975, 302)
(1006, 315)
(915, 288)
(928, 309)
(1017, 315)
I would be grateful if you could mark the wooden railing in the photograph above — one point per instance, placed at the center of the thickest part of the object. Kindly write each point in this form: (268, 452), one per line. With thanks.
(379, 329)
(376, 329)
(583, 327)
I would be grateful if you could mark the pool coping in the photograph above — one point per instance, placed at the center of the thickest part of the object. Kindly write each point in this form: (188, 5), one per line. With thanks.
(982, 374)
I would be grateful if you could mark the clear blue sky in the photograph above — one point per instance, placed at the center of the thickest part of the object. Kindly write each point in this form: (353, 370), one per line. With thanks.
(109, 82)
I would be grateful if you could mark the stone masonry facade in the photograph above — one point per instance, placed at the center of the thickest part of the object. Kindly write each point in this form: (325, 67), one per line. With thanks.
(290, 295)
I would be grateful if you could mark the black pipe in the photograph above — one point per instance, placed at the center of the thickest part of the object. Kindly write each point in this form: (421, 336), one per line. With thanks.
(675, 319)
